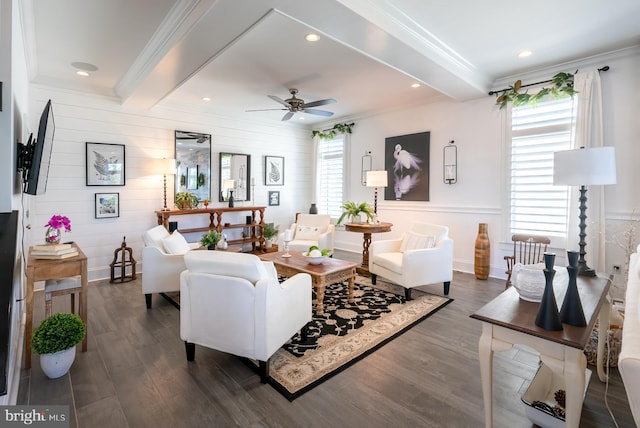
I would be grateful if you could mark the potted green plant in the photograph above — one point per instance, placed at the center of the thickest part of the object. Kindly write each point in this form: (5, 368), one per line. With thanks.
(55, 340)
(186, 200)
(353, 210)
(210, 239)
(270, 232)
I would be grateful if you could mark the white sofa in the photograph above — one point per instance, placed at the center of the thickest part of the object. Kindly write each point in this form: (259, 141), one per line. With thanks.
(162, 261)
(629, 359)
(234, 303)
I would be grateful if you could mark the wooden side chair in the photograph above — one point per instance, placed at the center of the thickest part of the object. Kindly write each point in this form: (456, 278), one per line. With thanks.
(527, 249)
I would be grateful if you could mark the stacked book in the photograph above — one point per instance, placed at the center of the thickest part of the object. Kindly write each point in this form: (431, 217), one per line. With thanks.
(54, 251)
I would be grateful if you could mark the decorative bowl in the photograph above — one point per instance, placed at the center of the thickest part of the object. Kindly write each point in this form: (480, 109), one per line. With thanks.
(529, 280)
(315, 260)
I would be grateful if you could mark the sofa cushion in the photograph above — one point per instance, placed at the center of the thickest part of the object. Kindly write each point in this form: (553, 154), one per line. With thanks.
(416, 241)
(175, 244)
(154, 236)
(238, 265)
(391, 261)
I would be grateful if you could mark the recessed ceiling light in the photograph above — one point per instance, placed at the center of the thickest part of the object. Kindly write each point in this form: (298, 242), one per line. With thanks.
(84, 66)
(206, 99)
(415, 85)
(525, 53)
(312, 37)
(82, 73)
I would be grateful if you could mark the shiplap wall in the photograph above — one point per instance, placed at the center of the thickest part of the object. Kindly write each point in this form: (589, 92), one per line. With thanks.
(149, 135)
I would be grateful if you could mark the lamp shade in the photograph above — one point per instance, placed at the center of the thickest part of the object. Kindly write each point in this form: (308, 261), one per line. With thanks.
(168, 166)
(376, 179)
(582, 167)
(228, 184)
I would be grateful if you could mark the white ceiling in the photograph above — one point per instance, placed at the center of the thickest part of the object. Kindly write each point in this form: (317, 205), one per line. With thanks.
(174, 52)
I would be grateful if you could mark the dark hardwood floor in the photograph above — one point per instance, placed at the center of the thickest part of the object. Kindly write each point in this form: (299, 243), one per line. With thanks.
(135, 374)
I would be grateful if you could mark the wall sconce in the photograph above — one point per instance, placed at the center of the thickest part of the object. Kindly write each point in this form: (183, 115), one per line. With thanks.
(450, 163)
(366, 166)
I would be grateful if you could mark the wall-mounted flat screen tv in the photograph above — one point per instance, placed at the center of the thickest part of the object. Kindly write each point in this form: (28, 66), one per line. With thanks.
(35, 158)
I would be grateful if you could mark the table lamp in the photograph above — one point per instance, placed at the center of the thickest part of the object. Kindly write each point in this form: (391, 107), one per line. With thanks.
(168, 168)
(229, 185)
(583, 167)
(376, 179)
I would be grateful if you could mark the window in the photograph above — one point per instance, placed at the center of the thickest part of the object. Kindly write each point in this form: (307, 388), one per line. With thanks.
(330, 175)
(536, 205)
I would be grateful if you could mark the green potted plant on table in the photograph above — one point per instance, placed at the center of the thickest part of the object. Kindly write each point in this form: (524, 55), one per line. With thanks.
(270, 232)
(55, 340)
(210, 239)
(353, 210)
(186, 200)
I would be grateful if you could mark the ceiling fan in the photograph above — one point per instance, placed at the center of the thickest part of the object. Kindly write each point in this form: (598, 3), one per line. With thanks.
(296, 105)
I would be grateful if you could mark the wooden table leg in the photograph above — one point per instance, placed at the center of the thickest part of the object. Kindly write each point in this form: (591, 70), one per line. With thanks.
(28, 329)
(83, 301)
(320, 287)
(365, 250)
(485, 355)
(352, 281)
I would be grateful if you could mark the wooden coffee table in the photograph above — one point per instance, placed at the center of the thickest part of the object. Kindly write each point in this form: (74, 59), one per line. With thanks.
(330, 271)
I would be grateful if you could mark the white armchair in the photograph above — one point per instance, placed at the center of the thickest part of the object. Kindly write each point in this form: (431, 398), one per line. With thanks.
(233, 302)
(308, 230)
(424, 255)
(162, 261)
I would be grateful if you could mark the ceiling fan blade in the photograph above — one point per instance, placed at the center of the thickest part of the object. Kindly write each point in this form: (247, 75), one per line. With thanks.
(287, 116)
(320, 103)
(279, 100)
(318, 112)
(268, 109)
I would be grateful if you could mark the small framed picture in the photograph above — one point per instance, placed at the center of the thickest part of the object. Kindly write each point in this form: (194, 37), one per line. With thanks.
(274, 171)
(105, 164)
(274, 198)
(107, 205)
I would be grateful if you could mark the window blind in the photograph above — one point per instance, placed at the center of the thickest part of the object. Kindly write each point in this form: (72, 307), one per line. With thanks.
(330, 176)
(537, 206)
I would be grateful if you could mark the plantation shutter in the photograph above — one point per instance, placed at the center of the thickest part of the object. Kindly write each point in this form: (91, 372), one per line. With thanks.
(537, 206)
(330, 172)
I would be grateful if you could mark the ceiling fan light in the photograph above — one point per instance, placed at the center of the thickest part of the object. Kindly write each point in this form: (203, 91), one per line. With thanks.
(525, 53)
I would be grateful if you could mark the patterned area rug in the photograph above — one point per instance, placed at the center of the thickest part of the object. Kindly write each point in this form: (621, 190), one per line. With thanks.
(346, 332)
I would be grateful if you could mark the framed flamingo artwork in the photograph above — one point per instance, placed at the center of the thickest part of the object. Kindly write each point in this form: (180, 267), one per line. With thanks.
(105, 164)
(406, 159)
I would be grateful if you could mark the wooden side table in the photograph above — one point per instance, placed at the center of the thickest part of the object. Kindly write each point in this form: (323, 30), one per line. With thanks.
(43, 269)
(367, 229)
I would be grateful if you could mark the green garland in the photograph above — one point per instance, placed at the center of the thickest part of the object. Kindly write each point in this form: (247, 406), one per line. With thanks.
(562, 84)
(329, 134)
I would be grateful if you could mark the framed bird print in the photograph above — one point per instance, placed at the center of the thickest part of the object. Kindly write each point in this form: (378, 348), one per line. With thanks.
(105, 164)
(274, 171)
(406, 159)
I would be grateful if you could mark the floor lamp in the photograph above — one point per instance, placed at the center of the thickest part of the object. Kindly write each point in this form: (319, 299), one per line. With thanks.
(168, 168)
(584, 167)
(376, 179)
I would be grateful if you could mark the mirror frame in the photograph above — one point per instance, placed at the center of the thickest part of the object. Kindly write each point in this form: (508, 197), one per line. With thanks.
(241, 182)
(202, 186)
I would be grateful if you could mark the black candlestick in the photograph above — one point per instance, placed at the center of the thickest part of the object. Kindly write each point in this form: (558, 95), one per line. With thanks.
(548, 317)
(572, 312)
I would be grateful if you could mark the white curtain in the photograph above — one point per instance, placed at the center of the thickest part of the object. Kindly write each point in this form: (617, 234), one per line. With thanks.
(589, 133)
(314, 170)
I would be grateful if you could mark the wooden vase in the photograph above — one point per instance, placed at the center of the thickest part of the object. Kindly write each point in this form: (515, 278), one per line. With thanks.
(482, 252)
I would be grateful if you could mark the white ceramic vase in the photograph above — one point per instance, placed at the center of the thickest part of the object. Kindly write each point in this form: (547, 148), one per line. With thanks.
(58, 364)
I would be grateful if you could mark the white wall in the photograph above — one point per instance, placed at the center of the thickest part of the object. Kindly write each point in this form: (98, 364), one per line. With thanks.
(147, 136)
(477, 127)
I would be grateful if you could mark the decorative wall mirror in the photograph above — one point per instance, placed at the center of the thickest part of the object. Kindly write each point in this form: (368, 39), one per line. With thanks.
(236, 167)
(193, 163)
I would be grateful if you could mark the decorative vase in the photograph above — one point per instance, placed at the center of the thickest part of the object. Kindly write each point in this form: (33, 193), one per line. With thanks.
(571, 312)
(52, 235)
(313, 209)
(548, 317)
(482, 252)
(58, 364)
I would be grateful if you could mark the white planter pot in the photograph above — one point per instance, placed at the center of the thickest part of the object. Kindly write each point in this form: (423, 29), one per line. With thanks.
(268, 243)
(58, 364)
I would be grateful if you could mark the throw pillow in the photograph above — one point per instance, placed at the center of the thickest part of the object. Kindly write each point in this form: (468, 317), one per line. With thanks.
(415, 241)
(175, 244)
(307, 232)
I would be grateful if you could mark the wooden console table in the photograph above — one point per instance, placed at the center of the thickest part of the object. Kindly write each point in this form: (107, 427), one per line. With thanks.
(216, 222)
(367, 229)
(43, 269)
(508, 320)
